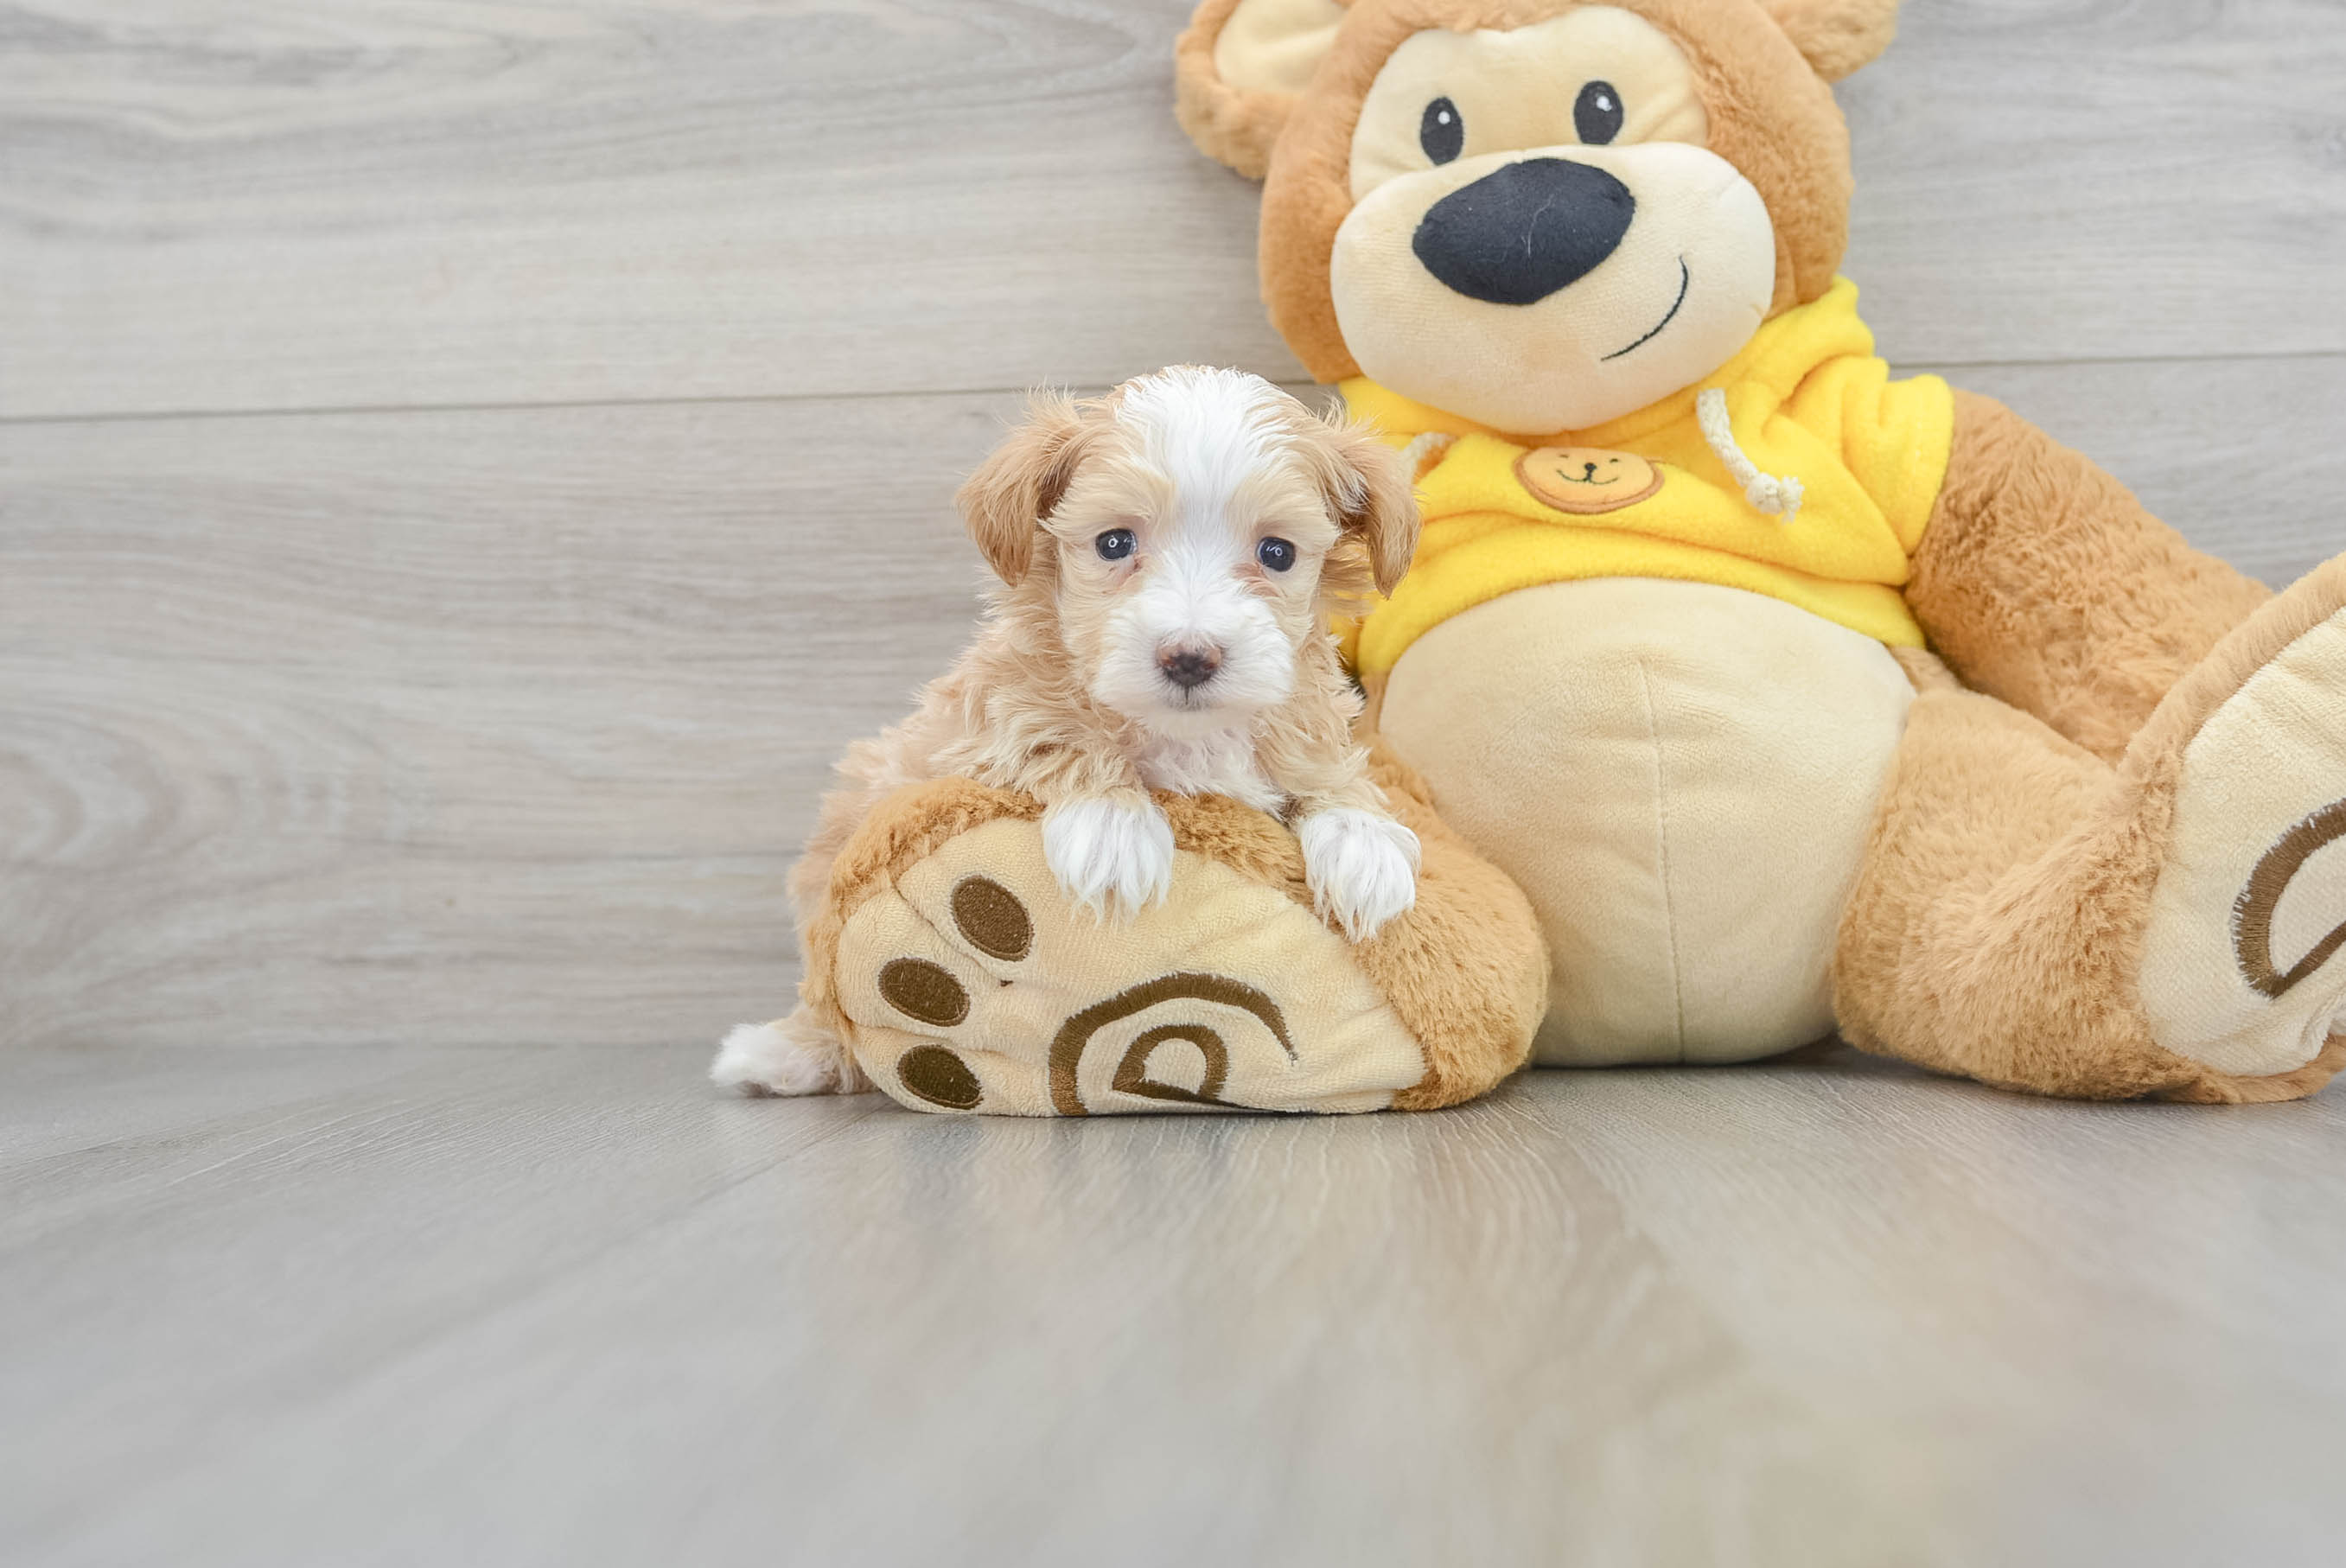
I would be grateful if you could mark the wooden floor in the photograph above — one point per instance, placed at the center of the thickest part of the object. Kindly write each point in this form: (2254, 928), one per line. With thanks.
(466, 468)
(557, 1305)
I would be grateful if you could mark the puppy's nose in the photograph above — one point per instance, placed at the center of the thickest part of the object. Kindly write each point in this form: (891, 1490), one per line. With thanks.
(1189, 668)
(1524, 230)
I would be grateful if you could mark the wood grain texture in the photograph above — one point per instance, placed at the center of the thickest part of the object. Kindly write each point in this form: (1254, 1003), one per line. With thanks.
(456, 747)
(558, 1306)
(477, 726)
(283, 205)
(484, 727)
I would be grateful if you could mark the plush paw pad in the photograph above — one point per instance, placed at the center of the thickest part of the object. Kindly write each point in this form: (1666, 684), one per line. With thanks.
(975, 983)
(2242, 965)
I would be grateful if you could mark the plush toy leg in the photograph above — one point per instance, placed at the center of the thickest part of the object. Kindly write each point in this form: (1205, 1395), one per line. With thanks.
(965, 981)
(2041, 580)
(2033, 916)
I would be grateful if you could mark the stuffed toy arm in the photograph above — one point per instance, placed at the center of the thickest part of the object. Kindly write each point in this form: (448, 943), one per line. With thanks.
(2041, 580)
(964, 980)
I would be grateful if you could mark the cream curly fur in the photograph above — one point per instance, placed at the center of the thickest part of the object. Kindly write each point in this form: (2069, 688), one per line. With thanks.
(1064, 694)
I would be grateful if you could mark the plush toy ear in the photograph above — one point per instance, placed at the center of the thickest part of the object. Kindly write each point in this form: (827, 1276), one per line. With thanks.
(1239, 67)
(1837, 36)
(1372, 491)
(1005, 501)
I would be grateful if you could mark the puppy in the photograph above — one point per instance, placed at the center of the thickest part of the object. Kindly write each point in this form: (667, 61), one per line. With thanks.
(1169, 556)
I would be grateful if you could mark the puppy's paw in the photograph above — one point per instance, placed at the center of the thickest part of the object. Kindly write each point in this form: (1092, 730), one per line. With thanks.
(793, 1056)
(1362, 867)
(1112, 857)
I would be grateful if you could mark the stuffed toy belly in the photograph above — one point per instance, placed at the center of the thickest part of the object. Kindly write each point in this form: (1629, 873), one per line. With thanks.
(1681, 777)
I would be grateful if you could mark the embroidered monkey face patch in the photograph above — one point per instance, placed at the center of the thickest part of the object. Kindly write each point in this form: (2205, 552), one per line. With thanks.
(1586, 479)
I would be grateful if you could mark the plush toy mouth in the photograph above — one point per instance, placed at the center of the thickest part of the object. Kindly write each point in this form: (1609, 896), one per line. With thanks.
(1686, 281)
(1583, 352)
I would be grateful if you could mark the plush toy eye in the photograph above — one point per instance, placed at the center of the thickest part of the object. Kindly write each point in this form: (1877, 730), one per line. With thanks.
(1115, 545)
(1276, 554)
(1596, 114)
(1441, 133)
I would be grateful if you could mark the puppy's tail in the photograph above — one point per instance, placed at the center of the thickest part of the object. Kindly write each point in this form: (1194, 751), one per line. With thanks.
(794, 1055)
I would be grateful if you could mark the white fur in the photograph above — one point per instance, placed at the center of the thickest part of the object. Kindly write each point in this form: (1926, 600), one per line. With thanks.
(1191, 598)
(1110, 856)
(790, 1057)
(1210, 763)
(1206, 429)
(1362, 868)
(1211, 432)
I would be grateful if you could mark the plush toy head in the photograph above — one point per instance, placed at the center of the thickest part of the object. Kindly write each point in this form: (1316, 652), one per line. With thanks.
(1536, 214)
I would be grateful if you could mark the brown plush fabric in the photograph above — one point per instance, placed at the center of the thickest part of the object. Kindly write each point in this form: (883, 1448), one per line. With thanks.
(1465, 971)
(2224, 1089)
(1771, 115)
(1229, 126)
(905, 827)
(2015, 875)
(1837, 37)
(1996, 930)
(2041, 580)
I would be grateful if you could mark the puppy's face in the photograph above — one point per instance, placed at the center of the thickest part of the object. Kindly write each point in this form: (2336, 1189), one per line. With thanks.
(1191, 530)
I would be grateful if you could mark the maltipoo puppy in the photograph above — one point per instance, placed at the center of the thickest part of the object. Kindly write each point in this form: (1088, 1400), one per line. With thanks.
(1171, 556)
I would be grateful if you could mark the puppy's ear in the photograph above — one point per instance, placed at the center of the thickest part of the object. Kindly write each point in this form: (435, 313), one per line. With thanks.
(1837, 37)
(1371, 491)
(1238, 69)
(1005, 501)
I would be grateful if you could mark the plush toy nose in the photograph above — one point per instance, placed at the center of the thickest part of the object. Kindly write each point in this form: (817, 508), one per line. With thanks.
(1524, 230)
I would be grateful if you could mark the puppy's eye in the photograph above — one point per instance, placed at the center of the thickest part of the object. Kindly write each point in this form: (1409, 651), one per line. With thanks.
(1441, 132)
(1276, 554)
(1596, 114)
(1115, 545)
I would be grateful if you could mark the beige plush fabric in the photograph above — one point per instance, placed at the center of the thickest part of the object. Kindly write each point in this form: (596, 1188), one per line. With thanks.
(2106, 853)
(2255, 827)
(1230, 995)
(1237, 68)
(1274, 46)
(1680, 777)
(1771, 115)
(962, 980)
(2034, 917)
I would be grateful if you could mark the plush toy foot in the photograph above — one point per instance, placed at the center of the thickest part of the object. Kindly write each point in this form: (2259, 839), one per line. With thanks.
(966, 980)
(2032, 917)
(2244, 957)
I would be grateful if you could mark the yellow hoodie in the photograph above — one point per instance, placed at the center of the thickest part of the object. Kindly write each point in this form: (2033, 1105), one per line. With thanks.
(1649, 495)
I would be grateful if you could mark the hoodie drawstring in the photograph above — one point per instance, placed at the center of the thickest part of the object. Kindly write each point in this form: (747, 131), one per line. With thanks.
(1766, 492)
(1426, 450)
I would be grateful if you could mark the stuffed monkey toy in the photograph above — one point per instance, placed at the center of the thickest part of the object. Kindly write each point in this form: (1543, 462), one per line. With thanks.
(1760, 695)
(1796, 699)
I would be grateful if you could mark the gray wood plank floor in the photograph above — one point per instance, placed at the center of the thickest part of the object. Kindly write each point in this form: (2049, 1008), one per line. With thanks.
(465, 469)
(386, 1304)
